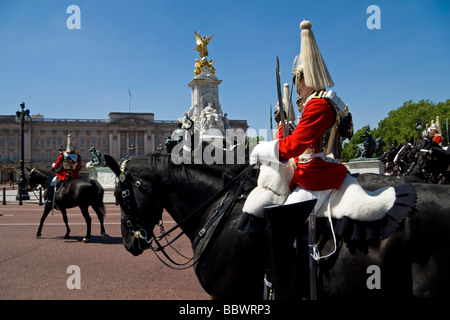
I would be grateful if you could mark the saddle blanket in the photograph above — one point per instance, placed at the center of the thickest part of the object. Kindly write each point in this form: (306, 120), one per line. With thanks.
(351, 200)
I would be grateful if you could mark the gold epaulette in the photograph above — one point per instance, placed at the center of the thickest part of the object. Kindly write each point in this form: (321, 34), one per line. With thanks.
(317, 94)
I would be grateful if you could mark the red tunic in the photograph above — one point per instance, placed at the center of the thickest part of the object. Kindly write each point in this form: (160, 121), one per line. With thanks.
(279, 132)
(66, 174)
(318, 116)
(437, 138)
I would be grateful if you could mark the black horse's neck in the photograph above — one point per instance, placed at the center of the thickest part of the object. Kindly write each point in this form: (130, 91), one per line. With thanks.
(39, 178)
(182, 189)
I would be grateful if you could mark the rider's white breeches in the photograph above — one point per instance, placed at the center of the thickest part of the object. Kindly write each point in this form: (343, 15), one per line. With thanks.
(53, 183)
(301, 194)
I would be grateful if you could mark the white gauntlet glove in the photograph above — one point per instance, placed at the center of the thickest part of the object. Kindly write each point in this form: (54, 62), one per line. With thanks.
(265, 152)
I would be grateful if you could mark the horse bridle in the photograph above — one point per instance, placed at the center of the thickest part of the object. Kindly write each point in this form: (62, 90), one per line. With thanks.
(127, 181)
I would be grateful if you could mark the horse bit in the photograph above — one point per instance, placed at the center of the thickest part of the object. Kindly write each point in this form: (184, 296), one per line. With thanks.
(125, 177)
(149, 237)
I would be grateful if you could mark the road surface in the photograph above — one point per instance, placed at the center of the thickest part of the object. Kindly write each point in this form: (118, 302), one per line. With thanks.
(52, 267)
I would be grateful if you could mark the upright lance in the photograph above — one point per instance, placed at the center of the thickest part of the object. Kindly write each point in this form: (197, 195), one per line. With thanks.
(270, 117)
(284, 124)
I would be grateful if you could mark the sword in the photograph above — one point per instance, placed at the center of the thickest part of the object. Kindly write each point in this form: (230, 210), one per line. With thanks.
(280, 101)
(53, 200)
(271, 125)
(291, 116)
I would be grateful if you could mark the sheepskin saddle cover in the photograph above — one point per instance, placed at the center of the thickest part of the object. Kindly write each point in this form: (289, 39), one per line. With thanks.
(351, 200)
(272, 187)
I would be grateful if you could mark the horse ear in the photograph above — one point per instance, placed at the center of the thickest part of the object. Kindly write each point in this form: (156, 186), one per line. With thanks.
(28, 169)
(112, 164)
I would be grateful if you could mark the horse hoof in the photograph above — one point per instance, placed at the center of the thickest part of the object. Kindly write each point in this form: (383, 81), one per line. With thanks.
(38, 234)
(105, 236)
(67, 236)
(85, 240)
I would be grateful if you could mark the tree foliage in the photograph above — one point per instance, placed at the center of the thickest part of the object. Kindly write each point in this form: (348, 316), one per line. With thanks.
(400, 125)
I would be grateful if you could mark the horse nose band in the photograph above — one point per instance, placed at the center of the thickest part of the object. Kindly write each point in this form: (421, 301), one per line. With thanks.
(131, 222)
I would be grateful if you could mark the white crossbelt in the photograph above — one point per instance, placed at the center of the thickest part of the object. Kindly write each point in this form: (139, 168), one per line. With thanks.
(307, 157)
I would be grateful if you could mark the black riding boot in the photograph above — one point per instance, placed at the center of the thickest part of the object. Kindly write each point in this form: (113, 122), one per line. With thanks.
(283, 227)
(50, 193)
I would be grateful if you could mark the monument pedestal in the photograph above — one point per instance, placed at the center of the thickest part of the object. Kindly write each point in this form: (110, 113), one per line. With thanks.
(368, 165)
(104, 176)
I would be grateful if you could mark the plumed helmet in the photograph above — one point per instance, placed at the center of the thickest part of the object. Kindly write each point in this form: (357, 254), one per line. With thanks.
(309, 62)
(432, 127)
(70, 144)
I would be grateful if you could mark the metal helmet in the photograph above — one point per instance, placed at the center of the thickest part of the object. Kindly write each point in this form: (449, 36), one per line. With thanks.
(70, 144)
(433, 127)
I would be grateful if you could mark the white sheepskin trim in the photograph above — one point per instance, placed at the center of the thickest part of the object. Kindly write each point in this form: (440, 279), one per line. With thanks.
(272, 188)
(353, 201)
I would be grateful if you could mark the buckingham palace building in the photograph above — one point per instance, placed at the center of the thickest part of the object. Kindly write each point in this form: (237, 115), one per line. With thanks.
(123, 134)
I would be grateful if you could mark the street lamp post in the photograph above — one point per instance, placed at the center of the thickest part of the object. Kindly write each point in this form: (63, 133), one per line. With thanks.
(22, 117)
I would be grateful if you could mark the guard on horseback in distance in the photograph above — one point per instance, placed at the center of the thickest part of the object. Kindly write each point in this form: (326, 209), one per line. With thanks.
(67, 190)
(67, 167)
(434, 134)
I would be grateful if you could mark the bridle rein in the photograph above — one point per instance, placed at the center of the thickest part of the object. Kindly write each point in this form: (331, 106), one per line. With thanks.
(126, 182)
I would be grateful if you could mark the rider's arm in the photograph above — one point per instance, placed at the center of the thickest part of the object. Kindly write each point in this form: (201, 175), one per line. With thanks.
(318, 115)
(58, 164)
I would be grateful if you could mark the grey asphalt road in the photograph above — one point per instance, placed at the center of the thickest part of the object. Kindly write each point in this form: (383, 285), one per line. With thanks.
(52, 267)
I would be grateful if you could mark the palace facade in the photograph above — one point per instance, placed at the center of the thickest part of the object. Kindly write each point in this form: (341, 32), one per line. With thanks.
(121, 135)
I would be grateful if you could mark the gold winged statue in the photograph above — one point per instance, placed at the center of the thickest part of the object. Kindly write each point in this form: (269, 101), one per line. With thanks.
(202, 42)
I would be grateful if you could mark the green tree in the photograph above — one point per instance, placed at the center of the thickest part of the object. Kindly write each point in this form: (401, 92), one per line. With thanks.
(400, 125)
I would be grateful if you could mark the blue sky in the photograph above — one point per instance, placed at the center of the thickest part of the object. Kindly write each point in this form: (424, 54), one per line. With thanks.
(148, 46)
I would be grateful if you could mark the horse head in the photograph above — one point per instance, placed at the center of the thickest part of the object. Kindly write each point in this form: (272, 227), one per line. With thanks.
(402, 159)
(36, 178)
(149, 184)
(389, 154)
(139, 204)
(434, 163)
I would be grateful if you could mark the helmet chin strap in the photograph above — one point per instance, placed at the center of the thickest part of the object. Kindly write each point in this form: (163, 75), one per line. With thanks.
(301, 101)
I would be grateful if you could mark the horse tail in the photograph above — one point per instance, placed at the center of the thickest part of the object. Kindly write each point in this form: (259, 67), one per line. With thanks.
(101, 207)
(99, 196)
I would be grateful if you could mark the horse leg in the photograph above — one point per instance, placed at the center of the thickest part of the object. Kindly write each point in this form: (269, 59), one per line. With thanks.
(66, 222)
(47, 210)
(100, 211)
(87, 218)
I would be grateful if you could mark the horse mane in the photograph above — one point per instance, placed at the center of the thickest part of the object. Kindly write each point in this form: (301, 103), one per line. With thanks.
(40, 173)
(224, 172)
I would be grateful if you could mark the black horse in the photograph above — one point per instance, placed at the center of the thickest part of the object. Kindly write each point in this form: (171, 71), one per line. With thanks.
(433, 165)
(414, 260)
(387, 158)
(403, 158)
(73, 193)
(408, 157)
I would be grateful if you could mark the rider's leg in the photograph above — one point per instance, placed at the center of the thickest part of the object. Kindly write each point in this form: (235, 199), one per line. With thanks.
(51, 192)
(284, 225)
